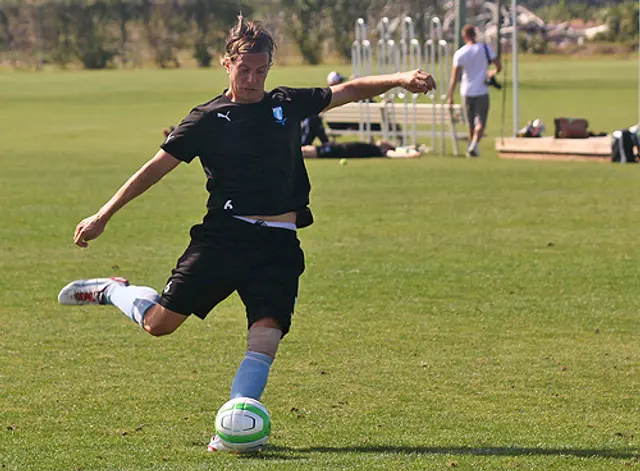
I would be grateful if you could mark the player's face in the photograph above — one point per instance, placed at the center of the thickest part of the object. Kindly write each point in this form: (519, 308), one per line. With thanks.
(247, 75)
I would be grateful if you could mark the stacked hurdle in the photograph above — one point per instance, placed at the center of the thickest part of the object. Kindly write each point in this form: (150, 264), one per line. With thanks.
(401, 109)
(361, 64)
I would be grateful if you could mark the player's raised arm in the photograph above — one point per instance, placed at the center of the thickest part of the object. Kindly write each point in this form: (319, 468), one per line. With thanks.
(150, 173)
(416, 81)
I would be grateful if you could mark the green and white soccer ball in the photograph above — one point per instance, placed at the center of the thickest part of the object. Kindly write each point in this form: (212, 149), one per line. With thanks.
(243, 424)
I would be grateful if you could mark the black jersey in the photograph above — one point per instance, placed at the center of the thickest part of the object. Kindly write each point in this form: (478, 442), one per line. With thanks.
(251, 152)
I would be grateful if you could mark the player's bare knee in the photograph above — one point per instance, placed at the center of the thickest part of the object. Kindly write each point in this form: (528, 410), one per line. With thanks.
(159, 321)
(264, 340)
(268, 322)
(158, 329)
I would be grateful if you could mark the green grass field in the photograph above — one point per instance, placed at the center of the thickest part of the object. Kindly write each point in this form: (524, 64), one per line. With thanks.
(476, 315)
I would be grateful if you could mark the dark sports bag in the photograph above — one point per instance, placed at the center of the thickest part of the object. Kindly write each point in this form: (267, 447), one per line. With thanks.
(622, 147)
(571, 128)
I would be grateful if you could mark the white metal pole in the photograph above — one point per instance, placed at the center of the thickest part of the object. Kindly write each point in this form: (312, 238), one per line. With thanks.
(457, 26)
(514, 52)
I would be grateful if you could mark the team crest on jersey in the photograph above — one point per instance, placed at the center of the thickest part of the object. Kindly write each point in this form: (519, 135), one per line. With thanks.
(278, 114)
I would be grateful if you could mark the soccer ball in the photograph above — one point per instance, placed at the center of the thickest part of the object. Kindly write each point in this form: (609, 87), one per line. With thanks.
(243, 424)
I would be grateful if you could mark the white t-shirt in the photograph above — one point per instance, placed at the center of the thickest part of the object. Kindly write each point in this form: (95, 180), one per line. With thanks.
(473, 60)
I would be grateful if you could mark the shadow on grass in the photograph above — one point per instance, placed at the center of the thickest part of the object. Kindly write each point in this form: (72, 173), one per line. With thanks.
(272, 454)
(632, 453)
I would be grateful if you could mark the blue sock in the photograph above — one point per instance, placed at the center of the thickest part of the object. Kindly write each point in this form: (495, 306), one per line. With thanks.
(251, 377)
(133, 301)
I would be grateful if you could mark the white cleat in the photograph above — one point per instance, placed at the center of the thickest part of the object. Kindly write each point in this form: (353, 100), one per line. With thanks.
(91, 291)
(216, 445)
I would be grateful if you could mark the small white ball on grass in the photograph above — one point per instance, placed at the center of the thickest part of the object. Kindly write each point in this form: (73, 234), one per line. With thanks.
(343, 161)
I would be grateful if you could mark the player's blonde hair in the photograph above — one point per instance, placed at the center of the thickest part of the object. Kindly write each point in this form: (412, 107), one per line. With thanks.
(246, 37)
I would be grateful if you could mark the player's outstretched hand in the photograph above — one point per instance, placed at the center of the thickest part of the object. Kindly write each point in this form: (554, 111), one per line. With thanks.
(417, 81)
(88, 229)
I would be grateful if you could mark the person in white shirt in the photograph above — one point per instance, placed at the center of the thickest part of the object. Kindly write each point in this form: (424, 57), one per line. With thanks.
(471, 67)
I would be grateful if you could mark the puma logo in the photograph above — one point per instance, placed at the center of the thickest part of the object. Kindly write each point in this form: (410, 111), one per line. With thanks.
(225, 116)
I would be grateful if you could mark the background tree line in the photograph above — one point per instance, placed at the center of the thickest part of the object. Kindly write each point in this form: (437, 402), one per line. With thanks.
(106, 33)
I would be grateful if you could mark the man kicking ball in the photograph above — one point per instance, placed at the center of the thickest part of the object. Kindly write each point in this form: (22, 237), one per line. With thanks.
(248, 142)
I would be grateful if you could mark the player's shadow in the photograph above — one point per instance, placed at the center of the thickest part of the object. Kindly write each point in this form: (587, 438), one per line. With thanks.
(630, 453)
(271, 454)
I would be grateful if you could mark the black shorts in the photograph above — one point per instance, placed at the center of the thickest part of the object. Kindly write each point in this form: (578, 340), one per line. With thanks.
(477, 109)
(227, 254)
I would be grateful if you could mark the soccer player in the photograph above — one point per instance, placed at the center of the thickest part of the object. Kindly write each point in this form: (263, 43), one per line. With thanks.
(248, 142)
